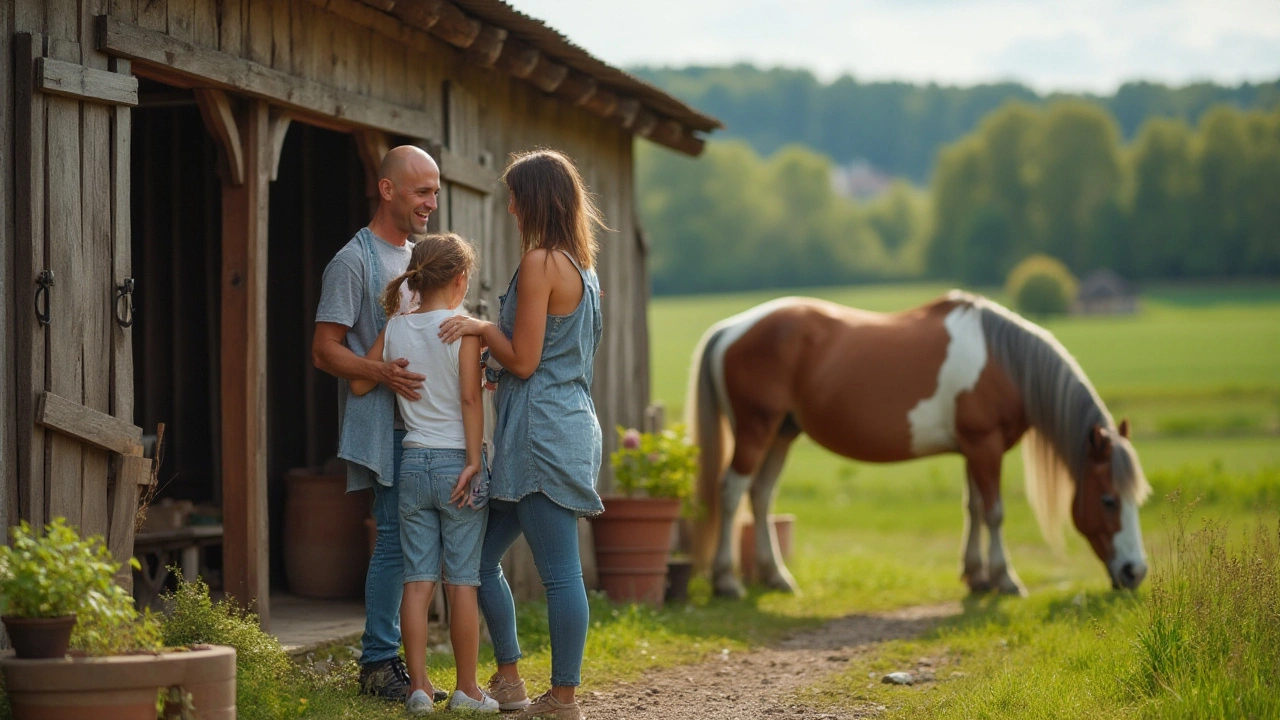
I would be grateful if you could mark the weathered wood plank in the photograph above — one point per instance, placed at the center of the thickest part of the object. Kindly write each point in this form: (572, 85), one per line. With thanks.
(153, 15)
(126, 10)
(131, 473)
(121, 254)
(181, 15)
(281, 46)
(62, 22)
(463, 170)
(220, 69)
(8, 369)
(88, 425)
(95, 248)
(258, 32)
(89, 55)
(243, 368)
(204, 24)
(30, 258)
(231, 27)
(82, 83)
(66, 331)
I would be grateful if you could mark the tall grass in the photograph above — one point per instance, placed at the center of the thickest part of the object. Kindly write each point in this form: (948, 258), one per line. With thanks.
(1211, 647)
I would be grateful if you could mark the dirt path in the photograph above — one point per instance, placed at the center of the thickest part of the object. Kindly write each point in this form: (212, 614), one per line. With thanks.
(756, 685)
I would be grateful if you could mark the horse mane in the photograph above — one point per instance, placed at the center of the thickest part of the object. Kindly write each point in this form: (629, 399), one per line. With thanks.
(1062, 408)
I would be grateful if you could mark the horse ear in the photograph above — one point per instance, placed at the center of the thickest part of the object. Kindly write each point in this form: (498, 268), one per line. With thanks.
(1099, 443)
(1124, 428)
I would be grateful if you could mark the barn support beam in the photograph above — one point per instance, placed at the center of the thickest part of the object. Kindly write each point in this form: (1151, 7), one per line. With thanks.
(244, 362)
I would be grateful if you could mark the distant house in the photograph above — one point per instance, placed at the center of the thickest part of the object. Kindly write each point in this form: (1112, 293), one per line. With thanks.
(1103, 292)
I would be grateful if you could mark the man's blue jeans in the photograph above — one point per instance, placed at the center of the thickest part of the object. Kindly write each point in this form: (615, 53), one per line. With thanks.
(552, 533)
(384, 584)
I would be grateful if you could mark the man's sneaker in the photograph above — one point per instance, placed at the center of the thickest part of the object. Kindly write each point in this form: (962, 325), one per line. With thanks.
(419, 703)
(549, 708)
(510, 695)
(461, 700)
(388, 679)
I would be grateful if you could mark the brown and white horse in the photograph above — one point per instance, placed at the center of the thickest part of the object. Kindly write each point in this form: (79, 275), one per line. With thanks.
(961, 374)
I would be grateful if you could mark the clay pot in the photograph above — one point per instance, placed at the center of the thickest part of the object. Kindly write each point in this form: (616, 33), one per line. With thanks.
(783, 525)
(121, 687)
(632, 540)
(39, 638)
(324, 535)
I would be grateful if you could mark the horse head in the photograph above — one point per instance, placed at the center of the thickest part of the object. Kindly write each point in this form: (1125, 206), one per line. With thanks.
(1105, 508)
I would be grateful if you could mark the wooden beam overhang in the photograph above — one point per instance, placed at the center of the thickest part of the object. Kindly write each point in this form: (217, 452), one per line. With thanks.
(184, 64)
(487, 45)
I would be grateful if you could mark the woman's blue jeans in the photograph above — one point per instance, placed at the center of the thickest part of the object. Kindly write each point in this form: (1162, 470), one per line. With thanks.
(552, 534)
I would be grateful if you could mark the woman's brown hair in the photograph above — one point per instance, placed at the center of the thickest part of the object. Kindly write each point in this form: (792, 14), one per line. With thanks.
(436, 260)
(555, 210)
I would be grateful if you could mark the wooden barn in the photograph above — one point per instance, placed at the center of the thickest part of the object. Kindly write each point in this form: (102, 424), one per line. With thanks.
(177, 175)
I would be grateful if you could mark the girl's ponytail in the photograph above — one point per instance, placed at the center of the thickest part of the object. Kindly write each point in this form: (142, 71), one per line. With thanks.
(391, 296)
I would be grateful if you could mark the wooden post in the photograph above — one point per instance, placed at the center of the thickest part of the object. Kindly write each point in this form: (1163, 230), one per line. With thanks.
(244, 362)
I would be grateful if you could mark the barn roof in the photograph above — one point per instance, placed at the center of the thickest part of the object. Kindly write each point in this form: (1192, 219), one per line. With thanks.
(493, 33)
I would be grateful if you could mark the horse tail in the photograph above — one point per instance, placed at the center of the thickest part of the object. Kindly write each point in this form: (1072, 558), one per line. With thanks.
(705, 423)
(1049, 486)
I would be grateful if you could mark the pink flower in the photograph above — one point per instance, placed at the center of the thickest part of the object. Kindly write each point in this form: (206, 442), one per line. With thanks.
(654, 457)
(631, 439)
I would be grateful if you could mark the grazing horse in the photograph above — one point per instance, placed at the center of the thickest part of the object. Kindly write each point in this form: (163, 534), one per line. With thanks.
(961, 374)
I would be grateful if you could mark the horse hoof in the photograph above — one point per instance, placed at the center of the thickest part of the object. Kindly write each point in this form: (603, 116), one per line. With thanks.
(783, 583)
(1012, 588)
(979, 587)
(730, 588)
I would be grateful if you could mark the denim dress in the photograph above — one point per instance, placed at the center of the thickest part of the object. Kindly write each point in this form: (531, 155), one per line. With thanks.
(547, 438)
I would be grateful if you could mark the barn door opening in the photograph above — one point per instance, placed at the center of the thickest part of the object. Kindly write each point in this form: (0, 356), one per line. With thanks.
(318, 202)
(176, 253)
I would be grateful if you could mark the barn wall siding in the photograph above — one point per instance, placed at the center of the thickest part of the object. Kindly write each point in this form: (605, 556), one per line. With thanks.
(80, 157)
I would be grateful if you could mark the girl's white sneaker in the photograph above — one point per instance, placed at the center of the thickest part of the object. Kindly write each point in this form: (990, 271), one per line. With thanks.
(419, 703)
(485, 704)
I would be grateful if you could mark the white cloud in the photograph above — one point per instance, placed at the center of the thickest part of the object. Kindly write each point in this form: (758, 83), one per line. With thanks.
(1050, 44)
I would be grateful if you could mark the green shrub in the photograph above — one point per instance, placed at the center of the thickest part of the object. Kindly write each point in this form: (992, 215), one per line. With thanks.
(264, 672)
(58, 573)
(1041, 285)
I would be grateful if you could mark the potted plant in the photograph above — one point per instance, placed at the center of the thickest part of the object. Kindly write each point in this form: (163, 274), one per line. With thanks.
(117, 668)
(655, 473)
(45, 581)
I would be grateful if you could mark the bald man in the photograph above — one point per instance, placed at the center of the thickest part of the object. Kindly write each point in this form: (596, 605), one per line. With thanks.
(348, 321)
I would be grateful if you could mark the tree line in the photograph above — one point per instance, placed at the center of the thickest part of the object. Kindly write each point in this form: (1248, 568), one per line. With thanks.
(899, 127)
(1176, 202)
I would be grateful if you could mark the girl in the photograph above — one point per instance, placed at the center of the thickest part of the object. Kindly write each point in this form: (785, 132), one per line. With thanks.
(547, 438)
(442, 478)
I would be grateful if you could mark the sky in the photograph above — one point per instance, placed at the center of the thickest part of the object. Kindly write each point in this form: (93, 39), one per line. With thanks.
(1068, 45)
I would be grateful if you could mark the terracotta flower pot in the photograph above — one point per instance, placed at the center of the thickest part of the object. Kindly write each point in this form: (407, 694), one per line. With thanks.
(324, 535)
(39, 638)
(783, 525)
(632, 540)
(121, 687)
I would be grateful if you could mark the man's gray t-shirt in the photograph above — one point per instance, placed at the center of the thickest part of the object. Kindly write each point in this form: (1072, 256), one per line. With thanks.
(343, 290)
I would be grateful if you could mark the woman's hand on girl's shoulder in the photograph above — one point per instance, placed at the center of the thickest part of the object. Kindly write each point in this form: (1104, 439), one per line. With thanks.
(457, 326)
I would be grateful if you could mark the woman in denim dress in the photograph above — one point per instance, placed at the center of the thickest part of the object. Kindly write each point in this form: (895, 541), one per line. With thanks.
(547, 438)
